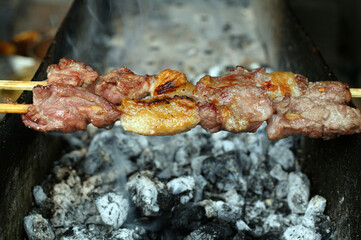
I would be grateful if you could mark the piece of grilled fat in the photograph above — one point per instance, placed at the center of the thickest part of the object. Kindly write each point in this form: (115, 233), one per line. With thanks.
(159, 116)
(170, 83)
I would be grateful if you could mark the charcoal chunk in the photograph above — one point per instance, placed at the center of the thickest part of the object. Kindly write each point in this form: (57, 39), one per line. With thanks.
(38, 228)
(144, 191)
(222, 171)
(188, 217)
(212, 231)
(300, 232)
(39, 195)
(299, 192)
(113, 208)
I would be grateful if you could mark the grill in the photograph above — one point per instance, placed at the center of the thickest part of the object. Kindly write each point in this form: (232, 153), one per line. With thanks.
(93, 28)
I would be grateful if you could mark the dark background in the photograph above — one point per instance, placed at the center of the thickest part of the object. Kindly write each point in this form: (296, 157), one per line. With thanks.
(335, 27)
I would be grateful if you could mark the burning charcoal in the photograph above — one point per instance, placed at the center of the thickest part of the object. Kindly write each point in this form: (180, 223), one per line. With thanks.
(107, 149)
(77, 232)
(271, 236)
(232, 197)
(98, 181)
(278, 173)
(283, 156)
(260, 180)
(281, 189)
(39, 195)
(254, 215)
(128, 234)
(221, 210)
(242, 226)
(113, 208)
(293, 219)
(38, 228)
(273, 223)
(188, 217)
(299, 192)
(315, 219)
(181, 185)
(200, 183)
(317, 204)
(223, 171)
(144, 192)
(300, 232)
(320, 223)
(211, 231)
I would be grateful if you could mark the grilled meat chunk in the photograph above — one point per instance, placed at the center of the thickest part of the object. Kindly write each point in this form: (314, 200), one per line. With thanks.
(122, 83)
(68, 108)
(312, 117)
(233, 102)
(280, 83)
(71, 72)
(337, 92)
(170, 83)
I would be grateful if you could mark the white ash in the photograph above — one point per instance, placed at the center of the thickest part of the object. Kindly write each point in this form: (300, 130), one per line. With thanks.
(181, 184)
(128, 234)
(223, 185)
(38, 228)
(113, 208)
(144, 192)
(299, 192)
(39, 195)
(242, 226)
(283, 156)
(278, 173)
(184, 185)
(300, 232)
(221, 210)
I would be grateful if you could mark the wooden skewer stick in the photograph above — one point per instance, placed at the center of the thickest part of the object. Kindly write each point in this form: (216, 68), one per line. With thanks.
(20, 85)
(23, 108)
(355, 92)
(14, 108)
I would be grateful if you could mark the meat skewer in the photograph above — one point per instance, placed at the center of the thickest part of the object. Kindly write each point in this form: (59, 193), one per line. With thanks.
(238, 101)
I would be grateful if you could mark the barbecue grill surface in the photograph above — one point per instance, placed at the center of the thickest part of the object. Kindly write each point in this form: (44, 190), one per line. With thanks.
(334, 167)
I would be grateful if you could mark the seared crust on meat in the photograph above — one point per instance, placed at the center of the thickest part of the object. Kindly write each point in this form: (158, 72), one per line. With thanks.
(170, 82)
(232, 102)
(71, 72)
(68, 108)
(159, 116)
(279, 83)
(313, 118)
(337, 92)
(122, 83)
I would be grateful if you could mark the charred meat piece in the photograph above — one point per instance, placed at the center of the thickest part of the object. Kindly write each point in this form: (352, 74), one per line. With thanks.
(233, 102)
(122, 83)
(71, 72)
(68, 108)
(170, 83)
(314, 118)
(159, 116)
